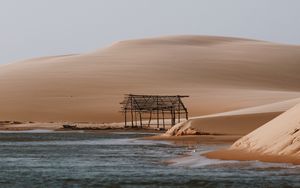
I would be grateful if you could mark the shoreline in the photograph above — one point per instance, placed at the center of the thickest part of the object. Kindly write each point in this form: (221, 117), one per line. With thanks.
(15, 126)
(223, 154)
(196, 139)
(73, 126)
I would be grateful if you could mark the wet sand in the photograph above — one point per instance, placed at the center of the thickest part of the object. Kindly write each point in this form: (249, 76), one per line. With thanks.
(251, 156)
(197, 139)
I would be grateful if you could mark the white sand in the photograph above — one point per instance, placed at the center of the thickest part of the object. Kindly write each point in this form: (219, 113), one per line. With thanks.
(281, 136)
(240, 121)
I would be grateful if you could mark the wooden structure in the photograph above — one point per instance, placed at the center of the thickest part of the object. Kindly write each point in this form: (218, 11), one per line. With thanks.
(144, 107)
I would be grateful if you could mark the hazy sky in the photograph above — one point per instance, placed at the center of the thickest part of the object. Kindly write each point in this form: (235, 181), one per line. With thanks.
(31, 28)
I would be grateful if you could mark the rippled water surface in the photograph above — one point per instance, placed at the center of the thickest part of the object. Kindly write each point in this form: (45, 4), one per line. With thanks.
(79, 159)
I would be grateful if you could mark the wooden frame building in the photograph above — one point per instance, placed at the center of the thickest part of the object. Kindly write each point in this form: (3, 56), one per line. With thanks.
(148, 107)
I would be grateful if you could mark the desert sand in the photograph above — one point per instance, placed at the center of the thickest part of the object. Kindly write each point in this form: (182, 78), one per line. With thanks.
(280, 136)
(219, 73)
(236, 122)
(277, 141)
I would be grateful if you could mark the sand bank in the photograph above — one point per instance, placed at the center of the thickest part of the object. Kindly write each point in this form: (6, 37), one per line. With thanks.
(251, 156)
(276, 141)
(56, 126)
(281, 136)
(241, 121)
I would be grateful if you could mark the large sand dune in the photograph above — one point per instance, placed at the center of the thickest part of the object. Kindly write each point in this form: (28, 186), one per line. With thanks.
(219, 73)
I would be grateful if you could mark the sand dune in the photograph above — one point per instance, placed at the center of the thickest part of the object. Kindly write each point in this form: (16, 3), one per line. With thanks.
(240, 121)
(276, 141)
(281, 136)
(220, 74)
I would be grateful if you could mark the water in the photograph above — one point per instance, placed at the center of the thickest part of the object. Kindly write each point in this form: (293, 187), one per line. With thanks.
(80, 159)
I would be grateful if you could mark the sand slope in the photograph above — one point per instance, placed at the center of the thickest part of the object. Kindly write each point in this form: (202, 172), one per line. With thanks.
(281, 136)
(239, 122)
(219, 74)
(276, 141)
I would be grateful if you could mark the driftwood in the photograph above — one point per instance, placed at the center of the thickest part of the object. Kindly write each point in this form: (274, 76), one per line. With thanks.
(75, 127)
(66, 126)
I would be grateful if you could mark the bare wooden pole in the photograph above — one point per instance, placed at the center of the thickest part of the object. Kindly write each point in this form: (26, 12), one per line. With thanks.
(131, 110)
(178, 109)
(163, 115)
(185, 110)
(172, 117)
(135, 119)
(150, 118)
(125, 116)
(174, 114)
(157, 112)
(141, 121)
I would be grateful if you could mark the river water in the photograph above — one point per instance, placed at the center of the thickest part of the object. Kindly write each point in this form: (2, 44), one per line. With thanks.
(119, 159)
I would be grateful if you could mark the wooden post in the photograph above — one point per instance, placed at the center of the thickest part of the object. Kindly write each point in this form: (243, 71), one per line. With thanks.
(157, 112)
(125, 116)
(141, 122)
(185, 110)
(131, 110)
(163, 115)
(174, 112)
(172, 117)
(135, 119)
(150, 118)
(178, 109)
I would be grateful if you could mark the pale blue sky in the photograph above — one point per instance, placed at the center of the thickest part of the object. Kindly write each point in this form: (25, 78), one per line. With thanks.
(32, 28)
